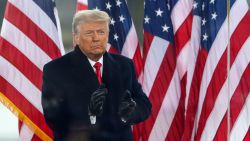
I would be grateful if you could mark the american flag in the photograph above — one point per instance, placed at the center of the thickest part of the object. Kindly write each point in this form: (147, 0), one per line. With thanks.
(165, 24)
(30, 37)
(220, 78)
(122, 36)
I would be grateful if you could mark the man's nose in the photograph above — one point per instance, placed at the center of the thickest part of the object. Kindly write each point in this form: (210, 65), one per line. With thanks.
(95, 36)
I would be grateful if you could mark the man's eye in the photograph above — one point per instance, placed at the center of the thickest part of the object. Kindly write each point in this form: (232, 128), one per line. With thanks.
(88, 33)
(101, 32)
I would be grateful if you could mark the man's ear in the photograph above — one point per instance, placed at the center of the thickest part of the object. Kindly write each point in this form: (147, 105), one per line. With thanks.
(76, 39)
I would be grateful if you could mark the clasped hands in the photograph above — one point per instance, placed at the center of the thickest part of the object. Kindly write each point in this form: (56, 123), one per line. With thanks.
(126, 105)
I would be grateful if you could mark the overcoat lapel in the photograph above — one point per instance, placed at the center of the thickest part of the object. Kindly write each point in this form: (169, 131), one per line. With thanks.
(83, 71)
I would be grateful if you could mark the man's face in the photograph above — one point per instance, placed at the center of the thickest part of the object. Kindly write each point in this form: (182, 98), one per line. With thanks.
(92, 39)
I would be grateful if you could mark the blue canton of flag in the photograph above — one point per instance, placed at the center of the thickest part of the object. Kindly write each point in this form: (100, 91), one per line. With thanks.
(213, 14)
(121, 21)
(157, 19)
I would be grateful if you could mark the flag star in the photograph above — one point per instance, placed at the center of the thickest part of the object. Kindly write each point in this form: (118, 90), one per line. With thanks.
(205, 37)
(165, 28)
(118, 3)
(112, 21)
(116, 37)
(195, 5)
(146, 19)
(203, 6)
(212, 1)
(203, 21)
(121, 18)
(108, 6)
(214, 15)
(158, 12)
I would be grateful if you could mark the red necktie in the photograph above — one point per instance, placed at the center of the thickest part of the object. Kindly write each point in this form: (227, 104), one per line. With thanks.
(98, 71)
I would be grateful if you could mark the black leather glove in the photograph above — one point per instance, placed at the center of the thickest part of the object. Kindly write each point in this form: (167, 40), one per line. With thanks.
(97, 101)
(126, 107)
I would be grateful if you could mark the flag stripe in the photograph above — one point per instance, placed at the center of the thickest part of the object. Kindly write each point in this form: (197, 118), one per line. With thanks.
(236, 103)
(193, 53)
(215, 53)
(193, 95)
(138, 62)
(176, 130)
(21, 62)
(14, 95)
(161, 83)
(21, 83)
(180, 14)
(25, 133)
(247, 137)
(182, 35)
(219, 75)
(23, 117)
(153, 62)
(221, 104)
(39, 17)
(130, 43)
(169, 103)
(24, 45)
(40, 38)
(147, 41)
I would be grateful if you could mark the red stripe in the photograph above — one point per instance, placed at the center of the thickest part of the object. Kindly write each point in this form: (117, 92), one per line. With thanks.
(30, 29)
(160, 86)
(194, 94)
(148, 38)
(35, 138)
(137, 131)
(21, 62)
(113, 50)
(247, 137)
(239, 97)
(81, 6)
(24, 105)
(236, 103)
(219, 75)
(137, 59)
(183, 34)
(177, 126)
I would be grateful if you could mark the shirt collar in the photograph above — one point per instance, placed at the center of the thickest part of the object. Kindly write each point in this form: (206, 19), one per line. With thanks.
(93, 62)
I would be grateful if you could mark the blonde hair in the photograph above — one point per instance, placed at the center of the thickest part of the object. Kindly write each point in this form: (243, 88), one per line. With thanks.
(86, 16)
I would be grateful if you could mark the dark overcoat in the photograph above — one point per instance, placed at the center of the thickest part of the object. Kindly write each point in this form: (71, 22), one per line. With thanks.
(68, 83)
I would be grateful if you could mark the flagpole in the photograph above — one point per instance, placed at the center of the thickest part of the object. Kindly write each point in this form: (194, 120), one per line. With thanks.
(228, 71)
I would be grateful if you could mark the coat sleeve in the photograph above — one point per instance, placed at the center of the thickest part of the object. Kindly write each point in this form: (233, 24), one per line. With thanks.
(143, 105)
(53, 102)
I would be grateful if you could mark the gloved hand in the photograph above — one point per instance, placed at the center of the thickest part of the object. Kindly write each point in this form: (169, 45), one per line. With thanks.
(97, 101)
(126, 107)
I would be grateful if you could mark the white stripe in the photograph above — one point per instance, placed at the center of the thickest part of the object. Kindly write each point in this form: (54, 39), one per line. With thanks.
(59, 32)
(108, 46)
(37, 15)
(218, 47)
(193, 53)
(21, 83)
(221, 104)
(153, 62)
(24, 44)
(25, 133)
(85, 2)
(242, 123)
(130, 44)
(180, 12)
(167, 111)
(182, 60)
